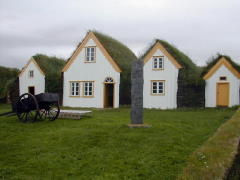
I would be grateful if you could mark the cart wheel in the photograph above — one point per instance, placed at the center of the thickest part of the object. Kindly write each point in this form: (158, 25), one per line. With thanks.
(27, 108)
(50, 112)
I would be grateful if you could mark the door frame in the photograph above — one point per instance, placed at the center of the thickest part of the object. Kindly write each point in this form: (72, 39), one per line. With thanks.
(217, 85)
(104, 93)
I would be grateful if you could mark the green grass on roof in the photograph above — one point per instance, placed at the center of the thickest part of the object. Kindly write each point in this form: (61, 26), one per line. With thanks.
(122, 55)
(50, 65)
(213, 60)
(190, 72)
(180, 57)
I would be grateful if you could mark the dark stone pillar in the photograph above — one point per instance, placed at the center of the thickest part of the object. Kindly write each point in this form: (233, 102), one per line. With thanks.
(137, 95)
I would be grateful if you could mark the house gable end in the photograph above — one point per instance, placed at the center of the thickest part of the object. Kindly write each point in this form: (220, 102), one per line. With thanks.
(89, 36)
(26, 66)
(156, 47)
(220, 63)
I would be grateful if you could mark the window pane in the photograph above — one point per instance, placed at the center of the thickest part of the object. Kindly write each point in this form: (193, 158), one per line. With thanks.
(88, 54)
(161, 62)
(154, 91)
(160, 91)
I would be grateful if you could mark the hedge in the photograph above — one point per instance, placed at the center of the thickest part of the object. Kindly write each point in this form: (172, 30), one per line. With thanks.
(215, 158)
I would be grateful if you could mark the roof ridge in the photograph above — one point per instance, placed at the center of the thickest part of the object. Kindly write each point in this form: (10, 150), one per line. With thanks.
(215, 59)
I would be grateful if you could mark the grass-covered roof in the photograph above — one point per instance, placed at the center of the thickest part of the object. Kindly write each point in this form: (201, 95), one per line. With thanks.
(122, 55)
(119, 52)
(49, 64)
(52, 67)
(191, 70)
(180, 57)
(215, 59)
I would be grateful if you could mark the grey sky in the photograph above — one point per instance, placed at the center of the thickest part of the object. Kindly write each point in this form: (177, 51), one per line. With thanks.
(55, 27)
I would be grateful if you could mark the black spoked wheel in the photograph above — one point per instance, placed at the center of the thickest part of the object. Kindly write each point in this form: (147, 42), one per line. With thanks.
(50, 112)
(27, 108)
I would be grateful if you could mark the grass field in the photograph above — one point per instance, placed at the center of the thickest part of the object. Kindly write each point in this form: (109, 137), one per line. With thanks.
(103, 147)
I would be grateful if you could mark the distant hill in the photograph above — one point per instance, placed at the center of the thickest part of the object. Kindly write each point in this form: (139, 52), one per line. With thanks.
(7, 75)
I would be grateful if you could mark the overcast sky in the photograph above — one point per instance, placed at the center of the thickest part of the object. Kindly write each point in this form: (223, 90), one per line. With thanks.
(200, 28)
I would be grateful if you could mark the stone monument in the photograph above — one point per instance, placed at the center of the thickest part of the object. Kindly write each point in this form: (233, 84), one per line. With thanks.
(137, 95)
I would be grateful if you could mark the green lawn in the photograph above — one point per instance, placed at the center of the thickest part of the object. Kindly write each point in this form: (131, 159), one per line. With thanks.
(103, 147)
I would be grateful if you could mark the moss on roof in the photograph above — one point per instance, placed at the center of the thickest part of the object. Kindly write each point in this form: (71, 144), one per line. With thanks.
(49, 65)
(122, 55)
(52, 67)
(213, 60)
(180, 57)
(191, 72)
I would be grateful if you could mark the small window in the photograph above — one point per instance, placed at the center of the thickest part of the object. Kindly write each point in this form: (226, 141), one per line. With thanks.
(158, 62)
(223, 78)
(75, 88)
(31, 73)
(88, 88)
(90, 54)
(158, 87)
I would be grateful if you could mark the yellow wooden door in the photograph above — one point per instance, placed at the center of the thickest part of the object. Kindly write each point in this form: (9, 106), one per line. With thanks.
(223, 94)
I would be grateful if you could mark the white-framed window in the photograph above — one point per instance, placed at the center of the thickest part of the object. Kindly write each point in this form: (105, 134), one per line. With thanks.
(90, 54)
(88, 88)
(31, 73)
(158, 87)
(158, 62)
(75, 88)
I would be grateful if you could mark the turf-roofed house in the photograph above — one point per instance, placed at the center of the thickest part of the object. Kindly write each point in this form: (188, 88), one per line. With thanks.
(98, 73)
(222, 76)
(171, 79)
(41, 74)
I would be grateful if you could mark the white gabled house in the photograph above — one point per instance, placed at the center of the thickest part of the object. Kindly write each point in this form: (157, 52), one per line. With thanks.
(222, 83)
(91, 77)
(160, 78)
(31, 78)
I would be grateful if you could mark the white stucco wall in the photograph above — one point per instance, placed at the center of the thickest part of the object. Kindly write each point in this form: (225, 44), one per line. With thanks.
(170, 75)
(211, 87)
(97, 72)
(38, 81)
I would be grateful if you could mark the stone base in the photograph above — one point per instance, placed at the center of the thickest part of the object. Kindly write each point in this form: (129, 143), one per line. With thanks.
(139, 126)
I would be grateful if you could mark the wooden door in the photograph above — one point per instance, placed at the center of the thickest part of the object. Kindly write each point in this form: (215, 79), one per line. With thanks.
(108, 95)
(223, 94)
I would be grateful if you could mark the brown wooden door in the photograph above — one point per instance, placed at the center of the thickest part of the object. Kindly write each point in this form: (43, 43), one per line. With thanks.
(223, 94)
